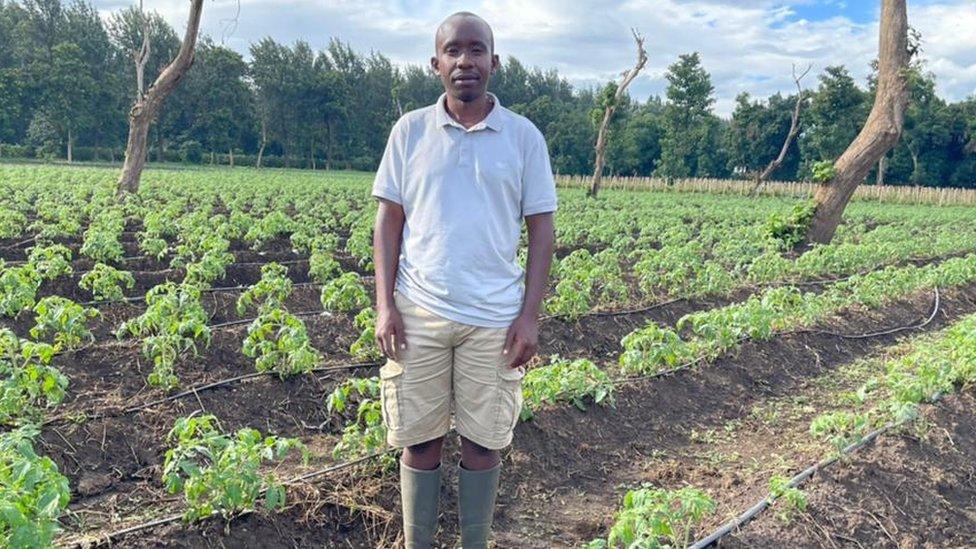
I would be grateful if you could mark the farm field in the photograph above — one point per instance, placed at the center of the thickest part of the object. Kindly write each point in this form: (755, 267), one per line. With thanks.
(206, 349)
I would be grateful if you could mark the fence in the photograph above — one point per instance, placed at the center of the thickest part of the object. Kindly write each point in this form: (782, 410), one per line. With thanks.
(883, 193)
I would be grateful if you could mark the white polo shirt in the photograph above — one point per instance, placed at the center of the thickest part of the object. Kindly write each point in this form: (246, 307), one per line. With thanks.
(464, 192)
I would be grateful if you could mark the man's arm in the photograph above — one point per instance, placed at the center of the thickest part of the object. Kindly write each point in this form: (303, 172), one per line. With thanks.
(522, 340)
(387, 233)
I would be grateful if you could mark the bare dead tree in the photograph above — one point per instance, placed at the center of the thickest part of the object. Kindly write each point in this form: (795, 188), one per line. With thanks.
(264, 141)
(880, 132)
(601, 137)
(147, 104)
(774, 164)
(142, 56)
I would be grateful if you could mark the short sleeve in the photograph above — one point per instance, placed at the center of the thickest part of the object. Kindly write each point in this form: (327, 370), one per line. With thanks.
(388, 183)
(538, 185)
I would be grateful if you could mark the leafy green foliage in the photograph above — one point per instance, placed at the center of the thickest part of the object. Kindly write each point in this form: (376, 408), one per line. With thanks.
(50, 262)
(106, 283)
(322, 267)
(172, 324)
(840, 429)
(33, 493)
(655, 517)
(575, 381)
(364, 433)
(345, 293)
(279, 342)
(270, 226)
(823, 171)
(652, 348)
(269, 292)
(581, 275)
(18, 289)
(789, 500)
(365, 347)
(791, 228)
(27, 379)
(221, 473)
(63, 321)
(339, 399)
(102, 237)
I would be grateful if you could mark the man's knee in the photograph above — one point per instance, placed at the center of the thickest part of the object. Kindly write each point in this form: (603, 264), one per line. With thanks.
(476, 457)
(426, 455)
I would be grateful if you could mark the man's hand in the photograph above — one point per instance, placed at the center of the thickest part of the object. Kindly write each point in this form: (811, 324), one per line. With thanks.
(390, 335)
(522, 340)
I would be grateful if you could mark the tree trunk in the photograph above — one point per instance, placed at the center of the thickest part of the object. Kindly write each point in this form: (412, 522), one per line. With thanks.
(264, 141)
(914, 154)
(147, 106)
(311, 155)
(601, 145)
(601, 137)
(160, 145)
(880, 132)
(882, 166)
(69, 146)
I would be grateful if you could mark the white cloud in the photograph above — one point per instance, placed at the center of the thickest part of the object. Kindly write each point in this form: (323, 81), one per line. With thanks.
(747, 45)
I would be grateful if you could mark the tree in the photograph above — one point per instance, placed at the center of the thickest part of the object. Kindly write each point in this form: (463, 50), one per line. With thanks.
(69, 94)
(13, 85)
(880, 132)
(132, 31)
(215, 99)
(837, 112)
(689, 126)
(636, 149)
(609, 100)
(924, 155)
(147, 105)
(775, 163)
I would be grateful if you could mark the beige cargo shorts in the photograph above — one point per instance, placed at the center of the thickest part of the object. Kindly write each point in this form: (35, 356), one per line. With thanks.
(449, 370)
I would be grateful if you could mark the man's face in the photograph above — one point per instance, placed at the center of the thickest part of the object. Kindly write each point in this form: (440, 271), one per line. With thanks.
(464, 59)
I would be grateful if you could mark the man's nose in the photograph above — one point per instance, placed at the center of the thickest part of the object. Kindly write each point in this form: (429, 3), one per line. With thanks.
(464, 59)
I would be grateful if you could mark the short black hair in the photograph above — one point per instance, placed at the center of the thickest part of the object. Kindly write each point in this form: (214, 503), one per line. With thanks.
(464, 15)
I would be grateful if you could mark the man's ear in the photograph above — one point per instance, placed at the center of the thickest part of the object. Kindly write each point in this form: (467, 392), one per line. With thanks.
(433, 65)
(495, 62)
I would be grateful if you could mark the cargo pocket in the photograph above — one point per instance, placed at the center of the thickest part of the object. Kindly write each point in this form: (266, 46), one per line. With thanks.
(391, 375)
(509, 398)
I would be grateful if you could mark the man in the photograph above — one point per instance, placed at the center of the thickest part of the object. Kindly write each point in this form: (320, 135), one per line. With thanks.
(454, 317)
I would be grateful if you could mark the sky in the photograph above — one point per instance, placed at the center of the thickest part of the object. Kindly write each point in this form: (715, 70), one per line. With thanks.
(746, 45)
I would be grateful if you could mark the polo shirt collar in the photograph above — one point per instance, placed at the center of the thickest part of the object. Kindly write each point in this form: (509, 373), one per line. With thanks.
(493, 120)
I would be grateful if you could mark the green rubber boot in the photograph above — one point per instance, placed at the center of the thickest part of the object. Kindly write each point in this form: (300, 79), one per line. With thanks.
(476, 505)
(420, 494)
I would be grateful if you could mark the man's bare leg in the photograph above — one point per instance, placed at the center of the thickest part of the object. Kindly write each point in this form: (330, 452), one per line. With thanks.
(426, 455)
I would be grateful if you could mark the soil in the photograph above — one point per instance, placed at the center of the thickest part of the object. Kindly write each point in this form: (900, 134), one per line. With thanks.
(553, 494)
(916, 488)
(563, 476)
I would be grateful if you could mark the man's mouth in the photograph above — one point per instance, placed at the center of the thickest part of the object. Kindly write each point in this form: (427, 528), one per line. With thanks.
(466, 79)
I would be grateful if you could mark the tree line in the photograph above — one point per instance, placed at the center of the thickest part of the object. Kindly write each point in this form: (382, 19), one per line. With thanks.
(67, 81)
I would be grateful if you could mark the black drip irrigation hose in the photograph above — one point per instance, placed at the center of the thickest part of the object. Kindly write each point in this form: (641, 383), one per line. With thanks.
(617, 313)
(742, 339)
(192, 391)
(107, 538)
(214, 289)
(930, 318)
(248, 320)
(794, 482)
